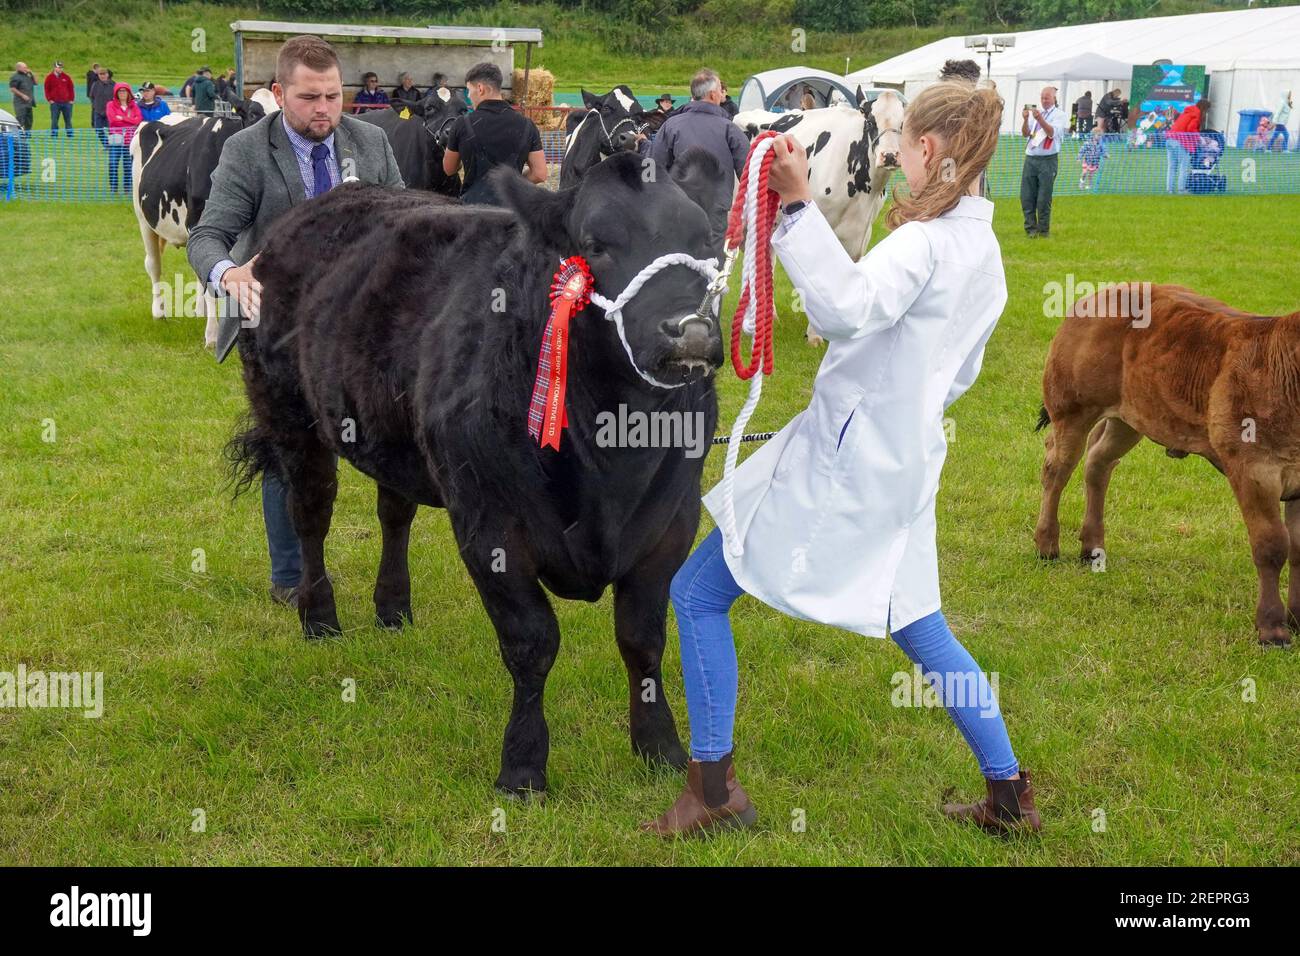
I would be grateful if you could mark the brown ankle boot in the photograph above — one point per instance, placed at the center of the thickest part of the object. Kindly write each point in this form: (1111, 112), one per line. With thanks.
(713, 800)
(1007, 805)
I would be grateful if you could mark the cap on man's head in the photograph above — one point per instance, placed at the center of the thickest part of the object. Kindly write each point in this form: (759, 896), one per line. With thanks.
(146, 85)
(665, 96)
(58, 64)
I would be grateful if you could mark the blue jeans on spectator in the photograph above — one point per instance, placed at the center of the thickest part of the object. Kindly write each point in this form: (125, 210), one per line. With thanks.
(702, 593)
(1180, 166)
(1279, 131)
(57, 110)
(281, 540)
(119, 155)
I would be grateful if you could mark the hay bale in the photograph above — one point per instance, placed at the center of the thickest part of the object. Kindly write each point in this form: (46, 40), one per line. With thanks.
(541, 96)
(541, 87)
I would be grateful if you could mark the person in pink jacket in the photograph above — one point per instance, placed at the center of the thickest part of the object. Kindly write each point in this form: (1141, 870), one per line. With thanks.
(123, 117)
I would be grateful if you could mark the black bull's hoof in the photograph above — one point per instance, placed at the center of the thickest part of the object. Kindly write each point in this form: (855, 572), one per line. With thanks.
(319, 625)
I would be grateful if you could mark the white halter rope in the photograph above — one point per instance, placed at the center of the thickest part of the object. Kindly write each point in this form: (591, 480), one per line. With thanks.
(614, 308)
(748, 281)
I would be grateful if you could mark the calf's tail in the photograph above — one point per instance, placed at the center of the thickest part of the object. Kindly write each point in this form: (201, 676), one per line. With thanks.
(1044, 419)
(249, 453)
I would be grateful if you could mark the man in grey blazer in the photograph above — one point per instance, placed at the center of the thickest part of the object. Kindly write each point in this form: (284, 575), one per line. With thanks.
(293, 155)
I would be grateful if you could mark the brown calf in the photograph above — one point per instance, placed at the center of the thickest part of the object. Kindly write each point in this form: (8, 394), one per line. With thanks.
(1197, 377)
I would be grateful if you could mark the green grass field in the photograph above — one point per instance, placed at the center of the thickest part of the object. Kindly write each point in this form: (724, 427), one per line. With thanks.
(1122, 690)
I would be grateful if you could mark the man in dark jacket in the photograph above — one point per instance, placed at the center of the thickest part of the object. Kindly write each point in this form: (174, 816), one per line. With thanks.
(91, 76)
(205, 92)
(100, 93)
(22, 87)
(728, 104)
(701, 122)
(704, 123)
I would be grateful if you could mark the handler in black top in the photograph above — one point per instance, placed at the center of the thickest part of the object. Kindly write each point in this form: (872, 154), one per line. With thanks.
(493, 135)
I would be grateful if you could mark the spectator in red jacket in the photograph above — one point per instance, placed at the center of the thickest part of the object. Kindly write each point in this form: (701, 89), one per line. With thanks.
(123, 117)
(59, 93)
(1180, 143)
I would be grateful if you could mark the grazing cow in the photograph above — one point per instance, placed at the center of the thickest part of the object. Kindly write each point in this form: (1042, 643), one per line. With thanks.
(1197, 377)
(172, 160)
(609, 125)
(852, 152)
(418, 143)
(415, 361)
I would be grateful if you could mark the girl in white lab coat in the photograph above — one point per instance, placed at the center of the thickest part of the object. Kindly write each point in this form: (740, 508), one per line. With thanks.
(834, 517)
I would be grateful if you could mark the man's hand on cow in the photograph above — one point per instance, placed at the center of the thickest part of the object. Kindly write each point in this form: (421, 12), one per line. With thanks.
(788, 174)
(239, 282)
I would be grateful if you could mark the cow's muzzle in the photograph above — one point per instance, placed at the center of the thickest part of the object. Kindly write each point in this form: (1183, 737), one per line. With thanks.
(696, 346)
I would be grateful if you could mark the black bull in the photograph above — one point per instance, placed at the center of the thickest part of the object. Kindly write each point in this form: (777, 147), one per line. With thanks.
(418, 143)
(415, 361)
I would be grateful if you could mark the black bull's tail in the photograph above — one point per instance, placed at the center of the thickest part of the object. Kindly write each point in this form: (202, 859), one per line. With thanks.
(250, 453)
(1044, 419)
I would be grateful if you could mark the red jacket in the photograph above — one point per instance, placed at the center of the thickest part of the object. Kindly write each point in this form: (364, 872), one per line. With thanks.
(1189, 120)
(59, 88)
(123, 120)
(1186, 127)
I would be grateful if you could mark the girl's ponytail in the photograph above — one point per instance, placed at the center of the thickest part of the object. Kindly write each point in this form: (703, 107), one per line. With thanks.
(965, 119)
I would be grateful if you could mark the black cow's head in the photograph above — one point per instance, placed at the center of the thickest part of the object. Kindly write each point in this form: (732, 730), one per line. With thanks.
(439, 110)
(620, 218)
(250, 111)
(617, 117)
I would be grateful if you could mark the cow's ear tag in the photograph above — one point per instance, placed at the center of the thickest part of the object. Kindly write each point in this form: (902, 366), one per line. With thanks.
(405, 114)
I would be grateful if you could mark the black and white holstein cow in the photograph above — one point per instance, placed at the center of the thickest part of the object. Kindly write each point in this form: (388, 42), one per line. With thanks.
(418, 143)
(852, 151)
(401, 331)
(172, 160)
(609, 125)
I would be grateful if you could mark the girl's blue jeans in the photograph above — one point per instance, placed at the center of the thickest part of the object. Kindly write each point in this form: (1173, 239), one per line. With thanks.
(703, 592)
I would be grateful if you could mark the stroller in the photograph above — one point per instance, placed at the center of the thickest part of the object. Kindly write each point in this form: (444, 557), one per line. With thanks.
(1205, 176)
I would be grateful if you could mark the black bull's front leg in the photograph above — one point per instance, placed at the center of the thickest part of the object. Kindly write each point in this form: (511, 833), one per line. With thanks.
(529, 638)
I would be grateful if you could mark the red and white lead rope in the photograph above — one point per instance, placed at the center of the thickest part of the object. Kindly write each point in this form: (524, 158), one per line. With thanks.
(753, 217)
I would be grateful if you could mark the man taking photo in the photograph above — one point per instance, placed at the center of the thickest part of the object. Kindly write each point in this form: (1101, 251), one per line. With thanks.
(1044, 128)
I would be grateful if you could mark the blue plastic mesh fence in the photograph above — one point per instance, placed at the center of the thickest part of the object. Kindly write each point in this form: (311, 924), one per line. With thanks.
(1143, 163)
(90, 166)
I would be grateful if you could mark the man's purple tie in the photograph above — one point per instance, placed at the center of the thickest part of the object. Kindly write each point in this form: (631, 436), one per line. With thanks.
(320, 155)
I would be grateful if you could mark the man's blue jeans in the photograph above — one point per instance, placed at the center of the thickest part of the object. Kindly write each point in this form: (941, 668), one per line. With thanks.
(702, 593)
(281, 540)
(57, 110)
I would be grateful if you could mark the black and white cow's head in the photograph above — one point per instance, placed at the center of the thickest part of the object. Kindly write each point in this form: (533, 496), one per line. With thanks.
(883, 112)
(620, 219)
(257, 107)
(615, 119)
(439, 111)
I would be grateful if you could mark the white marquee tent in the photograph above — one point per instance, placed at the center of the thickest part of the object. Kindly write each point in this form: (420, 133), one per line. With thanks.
(1252, 56)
